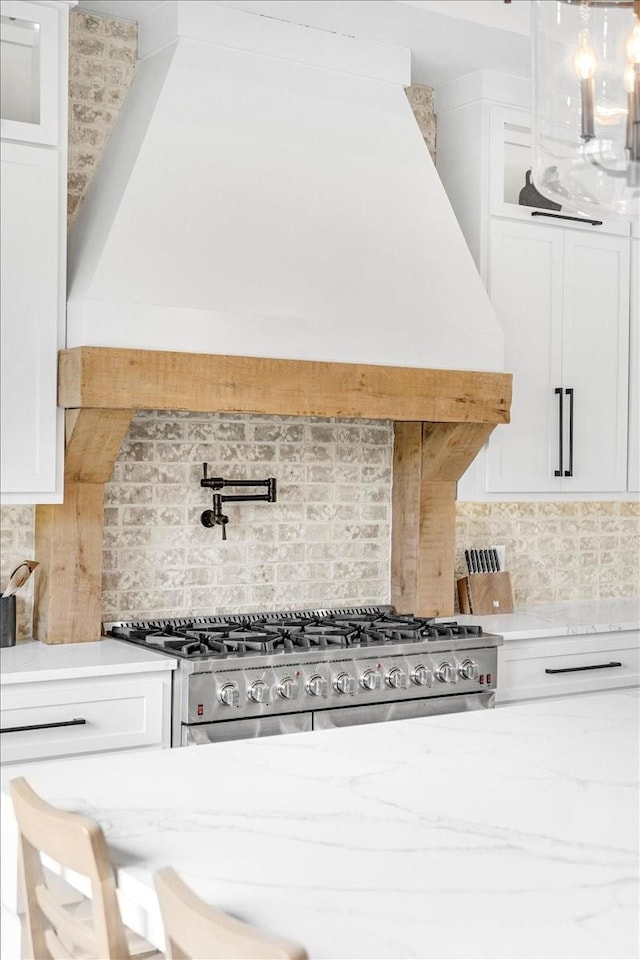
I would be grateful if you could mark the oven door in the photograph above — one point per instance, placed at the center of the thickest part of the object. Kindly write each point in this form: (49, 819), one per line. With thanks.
(196, 734)
(404, 710)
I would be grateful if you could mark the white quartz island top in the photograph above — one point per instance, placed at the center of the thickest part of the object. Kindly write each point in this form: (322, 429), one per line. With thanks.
(31, 661)
(562, 619)
(498, 833)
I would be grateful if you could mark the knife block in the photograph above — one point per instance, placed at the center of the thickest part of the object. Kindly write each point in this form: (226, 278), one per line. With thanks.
(485, 593)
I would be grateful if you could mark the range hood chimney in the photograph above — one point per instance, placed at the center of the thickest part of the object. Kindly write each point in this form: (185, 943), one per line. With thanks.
(266, 192)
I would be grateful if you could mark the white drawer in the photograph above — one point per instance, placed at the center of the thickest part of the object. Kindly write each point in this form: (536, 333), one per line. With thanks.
(557, 666)
(92, 715)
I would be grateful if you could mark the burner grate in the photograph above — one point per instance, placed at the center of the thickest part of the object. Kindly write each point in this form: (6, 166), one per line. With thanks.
(286, 632)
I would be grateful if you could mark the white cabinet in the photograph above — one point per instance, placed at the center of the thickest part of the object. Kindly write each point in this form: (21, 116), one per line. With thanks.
(30, 71)
(510, 158)
(61, 718)
(559, 666)
(562, 297)
(560, 287)
(30, 332)
(33, 151)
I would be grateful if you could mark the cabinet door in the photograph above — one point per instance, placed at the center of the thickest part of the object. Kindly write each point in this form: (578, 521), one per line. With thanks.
(525, 286)
(30, 318)
(29, 62)
(595, 355)
(511, 157)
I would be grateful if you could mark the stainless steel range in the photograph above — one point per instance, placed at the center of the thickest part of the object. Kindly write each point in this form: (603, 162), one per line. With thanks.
(261, 674)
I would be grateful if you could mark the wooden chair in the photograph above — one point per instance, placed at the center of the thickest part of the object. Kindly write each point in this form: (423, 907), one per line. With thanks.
(59, 925)
(196, 931)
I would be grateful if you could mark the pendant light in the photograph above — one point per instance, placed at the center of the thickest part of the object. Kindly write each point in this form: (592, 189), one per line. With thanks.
(586, 105)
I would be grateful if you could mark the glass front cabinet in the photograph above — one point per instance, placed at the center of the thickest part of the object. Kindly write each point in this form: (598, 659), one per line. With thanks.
(29, 87)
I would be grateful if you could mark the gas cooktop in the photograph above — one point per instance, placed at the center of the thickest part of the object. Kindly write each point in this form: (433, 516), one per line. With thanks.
(281, 633)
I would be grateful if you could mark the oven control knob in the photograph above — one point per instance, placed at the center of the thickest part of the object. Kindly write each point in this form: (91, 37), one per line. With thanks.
(345, 683)
(446, 673)
(317, 686)
(421, 675)
(397, 678)
(288, 689)
(469, 670)
(259, 691)
(370, 680)
(229, 694)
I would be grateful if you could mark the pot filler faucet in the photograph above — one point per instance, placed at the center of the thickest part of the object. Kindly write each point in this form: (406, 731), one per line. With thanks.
(215, 517)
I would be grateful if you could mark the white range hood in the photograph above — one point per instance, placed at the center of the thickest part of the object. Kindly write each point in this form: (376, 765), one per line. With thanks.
(266, 192)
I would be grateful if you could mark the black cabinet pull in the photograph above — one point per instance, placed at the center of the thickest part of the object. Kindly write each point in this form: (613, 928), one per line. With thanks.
(558, 392)
(592, 666)
(562, 216)
(45, 726)
(569, 393)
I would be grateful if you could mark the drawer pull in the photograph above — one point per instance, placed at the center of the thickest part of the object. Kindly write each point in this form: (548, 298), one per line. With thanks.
(44, 726)
(562, 216)
(591, 666)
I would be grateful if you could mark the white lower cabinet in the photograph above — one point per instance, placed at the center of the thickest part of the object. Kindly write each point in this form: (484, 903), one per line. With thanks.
(558, 666)
(62, 718)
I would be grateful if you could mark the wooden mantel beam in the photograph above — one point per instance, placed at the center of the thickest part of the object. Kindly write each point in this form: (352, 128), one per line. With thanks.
(104, 377)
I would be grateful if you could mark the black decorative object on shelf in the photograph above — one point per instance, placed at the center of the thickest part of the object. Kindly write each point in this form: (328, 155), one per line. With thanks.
(215, 517)
(529, 196)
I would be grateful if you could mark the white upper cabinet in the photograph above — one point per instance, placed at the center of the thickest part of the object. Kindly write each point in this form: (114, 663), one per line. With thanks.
(29, 60)
(560, 285)
(33, 155)
(30, 319)
(563, 299)
(512, 193)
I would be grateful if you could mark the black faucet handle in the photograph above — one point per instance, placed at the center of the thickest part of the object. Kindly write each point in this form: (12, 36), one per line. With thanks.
(214, 483)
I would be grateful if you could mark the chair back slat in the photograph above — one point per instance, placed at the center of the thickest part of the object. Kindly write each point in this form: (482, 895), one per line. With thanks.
(73, 932)
(57, 950)
(194, 930)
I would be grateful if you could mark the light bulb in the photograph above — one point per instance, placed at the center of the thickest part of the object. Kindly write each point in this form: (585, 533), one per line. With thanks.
(633, 43)
(584, 60)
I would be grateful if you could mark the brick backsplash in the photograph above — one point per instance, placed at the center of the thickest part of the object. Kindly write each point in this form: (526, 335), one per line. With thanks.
(16, 545)
(102, 63)
(325, 542)
(421, 101)
(567, 550)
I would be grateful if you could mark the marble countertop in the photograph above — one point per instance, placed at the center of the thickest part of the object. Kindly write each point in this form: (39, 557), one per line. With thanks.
(31, 661)
(562, 619)
(508, 833)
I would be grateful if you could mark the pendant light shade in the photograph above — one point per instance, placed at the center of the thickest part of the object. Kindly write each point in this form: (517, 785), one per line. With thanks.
(586, 124)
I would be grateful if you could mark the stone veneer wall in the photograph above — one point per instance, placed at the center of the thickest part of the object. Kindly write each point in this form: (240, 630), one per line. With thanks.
(102, 63)
(325, 542)
(327, 539)
(17, 544)
(421, 100)
(567, 550)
